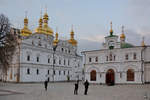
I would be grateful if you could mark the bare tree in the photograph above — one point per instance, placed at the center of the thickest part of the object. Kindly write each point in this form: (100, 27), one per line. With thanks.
(8, 43)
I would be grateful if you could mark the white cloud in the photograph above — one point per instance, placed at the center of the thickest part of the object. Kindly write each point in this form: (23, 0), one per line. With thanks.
(94, 38)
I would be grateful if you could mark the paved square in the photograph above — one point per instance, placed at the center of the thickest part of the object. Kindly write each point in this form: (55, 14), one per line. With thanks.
(64, 91)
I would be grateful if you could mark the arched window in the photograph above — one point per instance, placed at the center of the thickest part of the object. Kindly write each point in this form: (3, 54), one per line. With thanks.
(90, 59)
(93, 75)
(107, 58)
(130, 75)
(37, 59)
(134, 56)
(110, 57)
(48, 60)
(37, 71)
(126, 56)
(28, 58)
(28, 71)
(59, 61)
(96, 59)
(62, 49)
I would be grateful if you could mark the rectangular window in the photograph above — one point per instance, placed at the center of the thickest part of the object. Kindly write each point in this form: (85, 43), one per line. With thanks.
(62, 49)
(68, 72)
(28, 58)
(48, 60)
(114, 57)
(54, 72)
(90, 59)
(107, 58)
(54, 61)
(37, 71)
(110, 57)
(59, 72)
(68, 62)
(64, 72)
(126, 57)
(64, 62)
(48, 72)
(134, 56)
(28, 71)
(120, 75)
(37, 59)
(100, 75)
(68, 51)
(96, 59)
(59, 61)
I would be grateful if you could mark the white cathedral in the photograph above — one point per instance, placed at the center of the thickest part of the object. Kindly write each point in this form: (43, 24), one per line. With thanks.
(118, 62)
(39, 57)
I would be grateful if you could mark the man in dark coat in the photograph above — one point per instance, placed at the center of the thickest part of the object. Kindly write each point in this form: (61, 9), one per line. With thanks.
(46, 84)
(86, 84)
(76, 88)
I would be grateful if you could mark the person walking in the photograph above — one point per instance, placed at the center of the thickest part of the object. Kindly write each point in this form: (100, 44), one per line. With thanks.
(86, 84)
(76, 87)
(46, 84)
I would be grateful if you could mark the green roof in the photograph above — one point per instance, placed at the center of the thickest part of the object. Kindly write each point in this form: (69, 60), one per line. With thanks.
(126, 45)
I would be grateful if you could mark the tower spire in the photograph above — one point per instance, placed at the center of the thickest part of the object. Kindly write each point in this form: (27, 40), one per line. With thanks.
(56, 37)
(72, 33)
(26, 12)
(25, 31)
(111, 30)
(72, 40)
(122, 36)
(143, 42)
(46, 28)
(25, 19)
(40, 27)
(122, 29)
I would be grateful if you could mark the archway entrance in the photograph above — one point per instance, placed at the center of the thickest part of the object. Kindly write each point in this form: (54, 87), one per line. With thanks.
(110, 77)
(93, 75)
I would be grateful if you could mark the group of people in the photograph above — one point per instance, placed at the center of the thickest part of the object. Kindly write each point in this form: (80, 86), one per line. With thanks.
(86, 85)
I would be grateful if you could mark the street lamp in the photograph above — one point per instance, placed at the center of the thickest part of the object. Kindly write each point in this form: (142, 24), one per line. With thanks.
(54, 49)
(146, 97)
(18, 70)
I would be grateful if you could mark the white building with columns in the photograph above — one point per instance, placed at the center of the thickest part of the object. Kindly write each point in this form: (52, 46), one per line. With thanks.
(118, 62)
(39, 57)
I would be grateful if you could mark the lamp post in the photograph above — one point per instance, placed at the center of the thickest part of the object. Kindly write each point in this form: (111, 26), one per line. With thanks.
(18, 70)
(54, 49)
(146, 97)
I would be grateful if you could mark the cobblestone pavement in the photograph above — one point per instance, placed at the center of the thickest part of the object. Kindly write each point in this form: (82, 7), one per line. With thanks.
(64, 91)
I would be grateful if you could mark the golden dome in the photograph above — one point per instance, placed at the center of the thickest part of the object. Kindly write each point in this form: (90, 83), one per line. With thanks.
(122, 35)
(46, 29)
(26, 21)
(56, 39)
(45, 16)
(40, 28)
(72, 40)
(25, 31)
(143, 43)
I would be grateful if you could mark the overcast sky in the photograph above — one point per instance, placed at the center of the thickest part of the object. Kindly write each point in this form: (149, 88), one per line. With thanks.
(91, 18)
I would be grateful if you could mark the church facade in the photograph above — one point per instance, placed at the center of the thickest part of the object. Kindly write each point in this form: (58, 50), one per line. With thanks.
(118, 62)
(39, 56)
